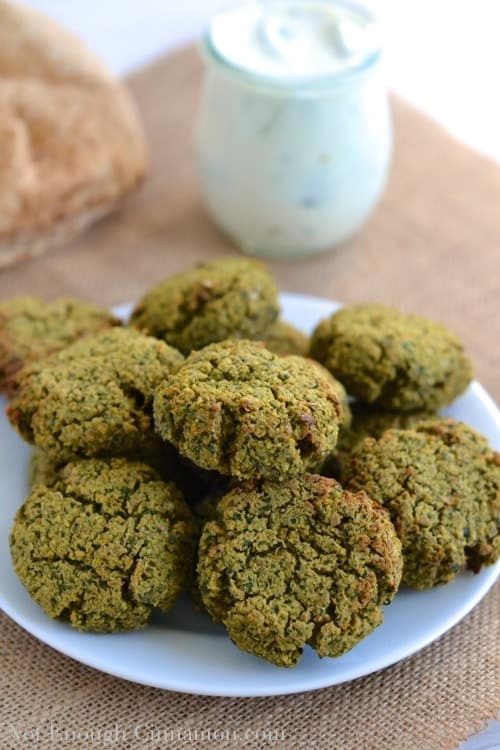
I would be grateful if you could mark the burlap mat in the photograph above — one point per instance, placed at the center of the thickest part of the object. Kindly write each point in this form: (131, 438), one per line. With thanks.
(432, 247)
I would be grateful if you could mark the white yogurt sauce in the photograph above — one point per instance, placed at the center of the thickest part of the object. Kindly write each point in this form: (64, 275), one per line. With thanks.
(293, 134)
(293, 39)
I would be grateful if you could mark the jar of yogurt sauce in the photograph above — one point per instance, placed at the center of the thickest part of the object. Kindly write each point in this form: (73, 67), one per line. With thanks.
(293, 135)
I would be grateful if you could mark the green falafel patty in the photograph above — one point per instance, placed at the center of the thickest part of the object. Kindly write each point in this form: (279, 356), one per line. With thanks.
(283, 565)
(283, 338)
(31, 329)
(369, 421)
(441, 484)
(107, 543)
(95, 397)
(237, 408)
(228, 297)
(397, 361)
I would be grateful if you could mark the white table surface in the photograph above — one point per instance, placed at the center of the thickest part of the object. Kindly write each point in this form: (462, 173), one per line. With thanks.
(443, 56)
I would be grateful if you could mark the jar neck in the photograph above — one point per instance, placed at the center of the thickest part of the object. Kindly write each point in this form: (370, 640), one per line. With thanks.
(319, 86)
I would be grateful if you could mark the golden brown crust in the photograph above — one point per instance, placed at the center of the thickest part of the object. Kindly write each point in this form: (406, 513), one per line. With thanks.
(70, 141)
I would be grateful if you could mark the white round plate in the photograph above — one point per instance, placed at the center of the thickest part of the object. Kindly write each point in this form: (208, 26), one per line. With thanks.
(184, 651)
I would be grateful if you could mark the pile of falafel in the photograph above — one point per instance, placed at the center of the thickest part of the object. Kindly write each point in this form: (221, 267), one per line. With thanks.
(291, 485)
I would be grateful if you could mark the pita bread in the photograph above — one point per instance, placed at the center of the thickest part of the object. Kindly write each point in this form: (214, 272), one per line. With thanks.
(71, 145)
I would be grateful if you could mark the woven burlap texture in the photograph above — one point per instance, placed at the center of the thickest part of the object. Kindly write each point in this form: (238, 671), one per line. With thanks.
(431, 247)
(428, 702)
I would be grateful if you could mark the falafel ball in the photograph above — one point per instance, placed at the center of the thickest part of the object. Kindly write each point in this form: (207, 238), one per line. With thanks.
(229, 297)
(107, 543)
(441, 484)
(283, 338)
(194, 483)
(369, 421)
(31, 329)
(396, 361)
(95, 397)
(283, 565)
(237, 408)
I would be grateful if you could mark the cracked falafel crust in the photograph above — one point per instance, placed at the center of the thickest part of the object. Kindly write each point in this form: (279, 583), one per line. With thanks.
(441, 484)
(241, 410)
(283, 565)
(397, 361)
(105, 545)
(95, 397)
(228, 297)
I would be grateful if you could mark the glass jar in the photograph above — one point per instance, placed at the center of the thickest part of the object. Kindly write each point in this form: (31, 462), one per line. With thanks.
(292, 165)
